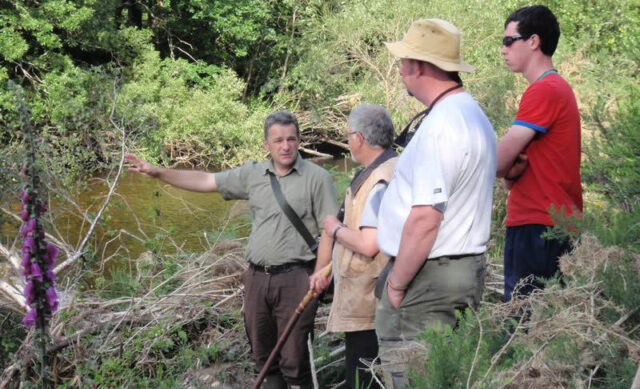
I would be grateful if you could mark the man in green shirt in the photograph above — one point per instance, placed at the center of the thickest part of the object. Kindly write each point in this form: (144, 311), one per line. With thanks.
(280, 260)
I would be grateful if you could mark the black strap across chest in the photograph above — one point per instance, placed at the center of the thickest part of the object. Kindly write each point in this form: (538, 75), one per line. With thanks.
(291, 214)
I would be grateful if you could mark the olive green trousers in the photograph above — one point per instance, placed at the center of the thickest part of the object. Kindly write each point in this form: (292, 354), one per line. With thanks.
(442, 286)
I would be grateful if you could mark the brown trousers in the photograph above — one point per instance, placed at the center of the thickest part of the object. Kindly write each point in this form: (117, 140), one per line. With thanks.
(269, 302)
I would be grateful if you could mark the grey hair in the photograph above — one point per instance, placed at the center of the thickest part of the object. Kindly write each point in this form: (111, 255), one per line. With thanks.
(374, 123)
(283, 118)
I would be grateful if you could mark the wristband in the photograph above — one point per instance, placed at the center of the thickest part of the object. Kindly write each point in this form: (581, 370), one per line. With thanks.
(335, 232)
(394, 287)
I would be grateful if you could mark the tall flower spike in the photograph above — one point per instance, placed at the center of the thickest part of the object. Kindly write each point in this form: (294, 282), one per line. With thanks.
(39, 292)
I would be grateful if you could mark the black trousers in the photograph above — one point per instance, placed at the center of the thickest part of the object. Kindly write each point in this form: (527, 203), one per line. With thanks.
(526, 254)
(360, 344)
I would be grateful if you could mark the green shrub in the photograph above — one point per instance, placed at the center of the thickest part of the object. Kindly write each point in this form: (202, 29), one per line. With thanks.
(452, 352)
(613, 155)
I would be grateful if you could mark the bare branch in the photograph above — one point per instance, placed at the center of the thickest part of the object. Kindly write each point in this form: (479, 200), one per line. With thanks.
(339, 144)
(13, 259)
(112, 187)
(14, 294)
(314, 374)
(316, 153)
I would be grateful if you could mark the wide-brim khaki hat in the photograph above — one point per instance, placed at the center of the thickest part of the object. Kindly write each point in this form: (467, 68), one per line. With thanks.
(432, 40)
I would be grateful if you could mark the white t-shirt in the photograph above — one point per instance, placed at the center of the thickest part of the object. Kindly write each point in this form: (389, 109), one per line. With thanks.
(371, 210)
(450, 164)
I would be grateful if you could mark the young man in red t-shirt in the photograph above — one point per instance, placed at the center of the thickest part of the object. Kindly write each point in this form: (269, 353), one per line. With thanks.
(539, 156)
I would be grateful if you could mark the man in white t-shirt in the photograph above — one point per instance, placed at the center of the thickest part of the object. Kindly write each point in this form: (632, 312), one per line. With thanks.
(435, 216)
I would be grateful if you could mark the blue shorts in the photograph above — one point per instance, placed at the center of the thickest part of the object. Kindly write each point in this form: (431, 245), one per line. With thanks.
(526, 254)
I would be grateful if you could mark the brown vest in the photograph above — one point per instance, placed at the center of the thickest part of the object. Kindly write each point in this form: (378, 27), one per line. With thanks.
(355, 275)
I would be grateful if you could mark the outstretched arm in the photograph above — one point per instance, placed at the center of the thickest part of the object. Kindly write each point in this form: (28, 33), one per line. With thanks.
(193, 180)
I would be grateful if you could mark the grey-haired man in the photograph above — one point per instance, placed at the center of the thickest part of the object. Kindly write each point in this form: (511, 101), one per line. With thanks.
(357, 260)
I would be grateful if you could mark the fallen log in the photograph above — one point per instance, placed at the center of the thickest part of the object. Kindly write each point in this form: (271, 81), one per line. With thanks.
(316, 153)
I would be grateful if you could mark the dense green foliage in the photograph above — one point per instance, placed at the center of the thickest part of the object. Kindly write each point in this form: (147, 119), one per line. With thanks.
(187, 76)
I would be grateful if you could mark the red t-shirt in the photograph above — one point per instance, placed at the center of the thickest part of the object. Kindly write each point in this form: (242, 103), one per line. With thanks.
(548, 107)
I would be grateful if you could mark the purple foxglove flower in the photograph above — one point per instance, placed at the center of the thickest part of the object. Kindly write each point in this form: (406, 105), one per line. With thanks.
(24, 215)
(30, 319)
(28, 245)
(43, 207)
(52, 299)
(52, 254)
(51, 276)
(28, 292)
(26, 260)
(31, 225)
(36, 273)
(28, 227)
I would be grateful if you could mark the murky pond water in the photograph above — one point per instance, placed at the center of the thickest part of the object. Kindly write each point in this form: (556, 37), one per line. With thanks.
(146, 214)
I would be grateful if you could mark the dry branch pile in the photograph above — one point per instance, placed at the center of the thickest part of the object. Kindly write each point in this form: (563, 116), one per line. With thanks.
(567, 335)
(570, 331)
(192, 299)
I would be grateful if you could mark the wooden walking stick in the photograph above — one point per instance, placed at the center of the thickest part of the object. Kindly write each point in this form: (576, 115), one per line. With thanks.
(311, 295)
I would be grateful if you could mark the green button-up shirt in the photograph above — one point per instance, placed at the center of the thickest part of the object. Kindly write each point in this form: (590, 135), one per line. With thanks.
(308, 189)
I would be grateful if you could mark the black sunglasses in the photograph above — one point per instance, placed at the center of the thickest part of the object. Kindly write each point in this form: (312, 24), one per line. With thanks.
(508, 40)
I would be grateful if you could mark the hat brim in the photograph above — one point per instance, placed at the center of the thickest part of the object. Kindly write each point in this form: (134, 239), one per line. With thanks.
(401, 50)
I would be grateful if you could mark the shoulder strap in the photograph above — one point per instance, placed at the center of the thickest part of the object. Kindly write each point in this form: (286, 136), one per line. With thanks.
(407, 133)
(291, 214)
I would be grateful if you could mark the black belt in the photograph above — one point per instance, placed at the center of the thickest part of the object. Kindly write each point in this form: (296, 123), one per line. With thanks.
(277, 269)
(450, 257)
(454, 257)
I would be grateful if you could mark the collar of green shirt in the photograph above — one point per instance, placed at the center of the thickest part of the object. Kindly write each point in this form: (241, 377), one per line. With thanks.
(297, 167)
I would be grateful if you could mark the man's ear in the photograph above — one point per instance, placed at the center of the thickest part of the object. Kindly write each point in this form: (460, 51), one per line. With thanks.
(265, 144)
(534, 42)
(424, 68)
